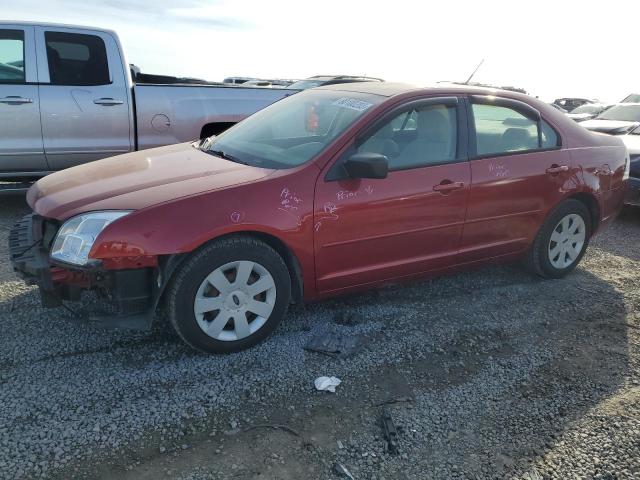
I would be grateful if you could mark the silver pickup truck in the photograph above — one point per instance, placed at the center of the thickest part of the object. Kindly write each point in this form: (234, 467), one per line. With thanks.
(68, 96)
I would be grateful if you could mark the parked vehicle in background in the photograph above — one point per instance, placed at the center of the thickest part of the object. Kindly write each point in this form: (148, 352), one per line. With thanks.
(67, 97)
(268, 83)
(623, 121)
(558, 107)
(238, 80)
(632, 141)
(570, 103)
(619, 119)
(587, 111)
(321, 194)
(320, 80)
(633, 98)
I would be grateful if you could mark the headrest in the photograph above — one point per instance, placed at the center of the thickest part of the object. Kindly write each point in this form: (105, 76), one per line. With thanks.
(433, 125)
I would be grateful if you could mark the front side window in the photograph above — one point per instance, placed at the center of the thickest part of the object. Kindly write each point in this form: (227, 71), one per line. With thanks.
(501, 130)
(12, 56)
(416, 138)
(293, 130)
(76, 59)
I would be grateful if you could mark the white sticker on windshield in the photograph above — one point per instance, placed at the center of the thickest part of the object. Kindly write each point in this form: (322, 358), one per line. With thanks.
(352, 103)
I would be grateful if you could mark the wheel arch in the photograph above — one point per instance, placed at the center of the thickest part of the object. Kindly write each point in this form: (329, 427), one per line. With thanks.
(286, 253)
(591, 202)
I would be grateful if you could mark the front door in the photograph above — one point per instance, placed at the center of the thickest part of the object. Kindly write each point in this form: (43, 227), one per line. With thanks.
(84, 98)
(21, 149)
(369, 231)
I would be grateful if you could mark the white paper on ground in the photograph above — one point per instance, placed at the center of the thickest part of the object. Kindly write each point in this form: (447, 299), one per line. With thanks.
(328, 384)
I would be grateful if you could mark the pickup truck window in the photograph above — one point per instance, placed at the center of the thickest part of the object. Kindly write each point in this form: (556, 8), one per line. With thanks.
(76, 59)
(292, 131)
(11, 56)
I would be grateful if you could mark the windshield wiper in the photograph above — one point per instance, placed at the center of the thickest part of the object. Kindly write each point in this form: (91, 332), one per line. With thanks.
(226, 156)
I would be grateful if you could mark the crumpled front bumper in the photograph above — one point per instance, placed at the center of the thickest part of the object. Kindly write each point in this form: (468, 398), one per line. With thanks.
(131, 296)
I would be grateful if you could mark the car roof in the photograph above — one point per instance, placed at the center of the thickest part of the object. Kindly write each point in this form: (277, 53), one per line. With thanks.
(390, 89)
(55, 25)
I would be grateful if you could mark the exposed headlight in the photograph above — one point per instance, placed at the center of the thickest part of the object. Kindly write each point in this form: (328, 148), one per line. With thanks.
(76, 236)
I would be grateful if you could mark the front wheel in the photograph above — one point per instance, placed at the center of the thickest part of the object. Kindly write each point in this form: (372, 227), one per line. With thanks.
(562, 240)
(230, 295)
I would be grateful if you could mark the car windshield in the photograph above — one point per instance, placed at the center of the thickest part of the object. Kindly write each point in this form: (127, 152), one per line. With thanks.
(588, 108)
(625, 113)
(304, 84)
(292, 131)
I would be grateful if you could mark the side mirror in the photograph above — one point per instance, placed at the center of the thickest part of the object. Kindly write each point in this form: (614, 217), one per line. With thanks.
(367, 165)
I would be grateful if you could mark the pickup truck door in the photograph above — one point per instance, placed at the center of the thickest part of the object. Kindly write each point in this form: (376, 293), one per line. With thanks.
(21, 149)
(84, 96)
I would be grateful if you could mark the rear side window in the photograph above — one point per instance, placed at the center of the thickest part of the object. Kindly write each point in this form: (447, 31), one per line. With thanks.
(12, 56)
(76, 59)
(502, 130)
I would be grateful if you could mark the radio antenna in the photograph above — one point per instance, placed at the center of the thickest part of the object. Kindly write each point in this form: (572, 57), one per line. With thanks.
(474, 72)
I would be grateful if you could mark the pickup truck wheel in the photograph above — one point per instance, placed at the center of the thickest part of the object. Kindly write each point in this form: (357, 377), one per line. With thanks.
(230, 295)
(562, 240)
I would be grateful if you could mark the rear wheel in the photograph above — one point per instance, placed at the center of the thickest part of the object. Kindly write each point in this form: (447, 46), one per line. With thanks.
(562, 240)
(230, 295)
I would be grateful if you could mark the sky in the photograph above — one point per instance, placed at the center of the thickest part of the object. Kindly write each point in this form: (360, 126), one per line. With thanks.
(550, 48)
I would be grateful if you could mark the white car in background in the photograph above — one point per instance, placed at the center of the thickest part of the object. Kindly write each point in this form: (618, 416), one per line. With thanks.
(620, 119)
(623, 120)
(587, 111)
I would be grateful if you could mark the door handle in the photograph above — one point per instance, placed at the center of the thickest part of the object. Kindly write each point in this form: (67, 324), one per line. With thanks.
(107, 102)
(553, 169)
(15, 100)
(604, 170)
(447, 186)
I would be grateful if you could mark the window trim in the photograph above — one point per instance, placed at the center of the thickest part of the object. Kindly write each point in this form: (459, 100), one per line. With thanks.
(24, 57)
(336, 173)
(46, 60)
(520, 107)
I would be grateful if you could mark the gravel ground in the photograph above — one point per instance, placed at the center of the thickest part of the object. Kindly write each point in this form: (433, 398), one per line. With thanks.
(497, 375)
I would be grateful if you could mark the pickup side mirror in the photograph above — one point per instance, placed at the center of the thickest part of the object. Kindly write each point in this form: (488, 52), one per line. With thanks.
(367, 165)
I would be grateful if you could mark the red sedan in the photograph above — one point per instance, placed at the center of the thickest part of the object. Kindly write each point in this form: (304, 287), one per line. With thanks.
(329, 191)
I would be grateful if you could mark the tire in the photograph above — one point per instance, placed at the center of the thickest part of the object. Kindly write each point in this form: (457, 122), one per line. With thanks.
(542, 258)
(210, 294)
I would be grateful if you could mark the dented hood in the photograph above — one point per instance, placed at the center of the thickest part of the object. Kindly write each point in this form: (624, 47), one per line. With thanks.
(136, 180)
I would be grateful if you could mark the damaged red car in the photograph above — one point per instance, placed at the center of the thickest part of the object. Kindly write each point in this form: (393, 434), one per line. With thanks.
(329, 191)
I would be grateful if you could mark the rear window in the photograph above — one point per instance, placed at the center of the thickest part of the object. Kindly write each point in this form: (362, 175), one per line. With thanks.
(12, 56)
(76, 59)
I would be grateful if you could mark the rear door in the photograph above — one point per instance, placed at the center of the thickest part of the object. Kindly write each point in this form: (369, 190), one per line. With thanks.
(84, 97)
(21, 149)
(367, 231)
(518, 173)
